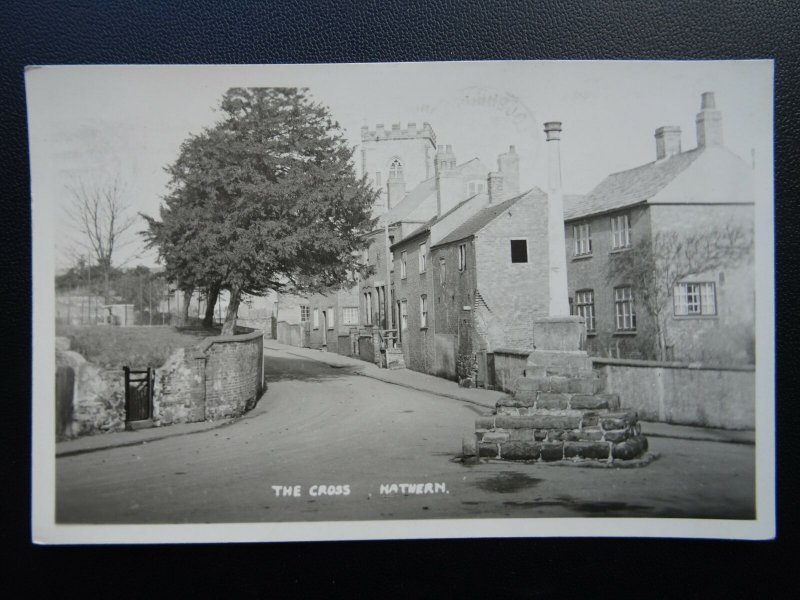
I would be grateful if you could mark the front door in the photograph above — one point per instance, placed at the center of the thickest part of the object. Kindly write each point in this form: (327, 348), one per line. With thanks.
(324, 329)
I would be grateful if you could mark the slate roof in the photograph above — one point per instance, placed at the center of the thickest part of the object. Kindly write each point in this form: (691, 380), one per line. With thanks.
(481, 219)
(417, 196)
(431, 222)
(626, 188)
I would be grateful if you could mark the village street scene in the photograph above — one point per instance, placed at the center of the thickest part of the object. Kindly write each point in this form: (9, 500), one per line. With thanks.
(309, 302)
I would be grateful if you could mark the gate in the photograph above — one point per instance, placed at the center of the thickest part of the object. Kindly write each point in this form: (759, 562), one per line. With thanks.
(138, 396)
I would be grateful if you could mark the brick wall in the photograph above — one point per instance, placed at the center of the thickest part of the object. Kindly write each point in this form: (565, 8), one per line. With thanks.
(591, 273)
(727, 337)
(233, 375)
(453, 294)
(418, 343)
(222, 378)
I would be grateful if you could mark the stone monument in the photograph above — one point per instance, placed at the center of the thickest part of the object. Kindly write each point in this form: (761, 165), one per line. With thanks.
(557, 410)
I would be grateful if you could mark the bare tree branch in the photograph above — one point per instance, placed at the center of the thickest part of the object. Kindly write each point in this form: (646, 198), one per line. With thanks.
(99, 216)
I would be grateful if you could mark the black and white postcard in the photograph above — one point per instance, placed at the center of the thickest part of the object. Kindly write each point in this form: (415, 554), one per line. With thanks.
(403, 300)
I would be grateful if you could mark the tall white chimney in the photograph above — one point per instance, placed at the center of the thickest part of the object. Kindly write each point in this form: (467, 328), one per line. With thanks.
(709, 122)
(559, 297)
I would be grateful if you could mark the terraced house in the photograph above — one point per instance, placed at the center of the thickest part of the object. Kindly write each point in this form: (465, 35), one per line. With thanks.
(689, 195)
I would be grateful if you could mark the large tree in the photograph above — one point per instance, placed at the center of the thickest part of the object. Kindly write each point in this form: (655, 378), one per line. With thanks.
(267, 199)
(657, 265)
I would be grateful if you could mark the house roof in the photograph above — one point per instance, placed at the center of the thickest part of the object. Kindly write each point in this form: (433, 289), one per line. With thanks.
(626, 188)
(480, 220)
(418, 195)
(425, 227)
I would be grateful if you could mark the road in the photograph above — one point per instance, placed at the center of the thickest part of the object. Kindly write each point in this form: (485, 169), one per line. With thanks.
(322, 426)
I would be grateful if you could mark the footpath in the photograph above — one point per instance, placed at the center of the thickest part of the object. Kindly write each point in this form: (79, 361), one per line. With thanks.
(402, 377)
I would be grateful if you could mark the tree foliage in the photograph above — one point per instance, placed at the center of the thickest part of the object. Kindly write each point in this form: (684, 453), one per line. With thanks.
(267, 199)
(655, 266)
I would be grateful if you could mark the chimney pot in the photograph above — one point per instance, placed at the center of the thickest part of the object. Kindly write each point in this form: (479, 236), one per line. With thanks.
(707, 101)
(553, 130)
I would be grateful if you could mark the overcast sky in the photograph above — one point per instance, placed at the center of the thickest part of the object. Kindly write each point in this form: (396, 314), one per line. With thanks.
(93, 123)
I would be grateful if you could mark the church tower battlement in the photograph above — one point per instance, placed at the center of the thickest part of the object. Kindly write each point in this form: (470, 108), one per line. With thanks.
(396, 160)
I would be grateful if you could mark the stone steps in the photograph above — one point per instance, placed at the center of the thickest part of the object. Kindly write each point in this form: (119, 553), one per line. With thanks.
(554, 417)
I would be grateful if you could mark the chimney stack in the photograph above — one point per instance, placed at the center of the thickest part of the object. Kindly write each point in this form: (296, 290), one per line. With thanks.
(495, 185)
(668, 141)
(709, 122)
(449, 184)
(508, 163)
(557, 255)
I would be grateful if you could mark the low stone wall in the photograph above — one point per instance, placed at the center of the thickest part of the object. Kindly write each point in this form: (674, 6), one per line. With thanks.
(677, 393)
(98, 397)
(681, 393)
(234, 374)
(222, 378)
(509, 365)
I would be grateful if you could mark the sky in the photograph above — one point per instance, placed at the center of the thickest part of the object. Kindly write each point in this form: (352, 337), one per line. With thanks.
(98, 123)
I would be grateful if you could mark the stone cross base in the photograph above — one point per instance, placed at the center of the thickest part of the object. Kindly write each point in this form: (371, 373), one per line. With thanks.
(557, 410)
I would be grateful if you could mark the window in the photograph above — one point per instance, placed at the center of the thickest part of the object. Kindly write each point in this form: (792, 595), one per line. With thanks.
(316, 318)
(462, 257)
(695, 299)
(584, 307)
(475, 187)
(367, 308)
(620, 232)
(378, 181)
(623, 305)
(305, 313)
(396, 170)
(350, 315)
(519, 251)
(403, 315)
(331, 317)
(403, 263)
(423, 257)
(442, 271)
(583, 239)
(423, 311)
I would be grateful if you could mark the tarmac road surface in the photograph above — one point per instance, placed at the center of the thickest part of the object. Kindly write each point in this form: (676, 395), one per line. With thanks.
(323, 441)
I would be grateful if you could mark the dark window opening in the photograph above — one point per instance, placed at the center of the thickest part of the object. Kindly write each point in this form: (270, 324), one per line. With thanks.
(519, 251)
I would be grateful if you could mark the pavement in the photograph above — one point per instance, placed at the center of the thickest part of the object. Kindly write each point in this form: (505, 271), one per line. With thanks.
(401, 377)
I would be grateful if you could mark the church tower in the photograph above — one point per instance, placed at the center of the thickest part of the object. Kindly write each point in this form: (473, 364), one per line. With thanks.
(396, 160)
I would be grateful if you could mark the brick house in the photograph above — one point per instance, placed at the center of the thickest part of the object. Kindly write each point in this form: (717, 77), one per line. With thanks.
(474, 279)
(712, 314)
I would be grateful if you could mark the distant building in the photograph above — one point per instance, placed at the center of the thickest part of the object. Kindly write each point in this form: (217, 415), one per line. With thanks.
(712, 314)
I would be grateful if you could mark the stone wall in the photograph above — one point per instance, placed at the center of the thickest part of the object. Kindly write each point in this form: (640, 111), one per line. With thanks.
(180, 389)
(665, 392)
(683, 394)
(221, 378)
(98, 397)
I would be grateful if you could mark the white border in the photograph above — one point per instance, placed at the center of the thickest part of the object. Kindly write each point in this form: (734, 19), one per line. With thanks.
(46, 531)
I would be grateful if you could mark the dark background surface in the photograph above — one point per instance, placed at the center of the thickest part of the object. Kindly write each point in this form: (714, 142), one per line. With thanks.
(147, 31)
